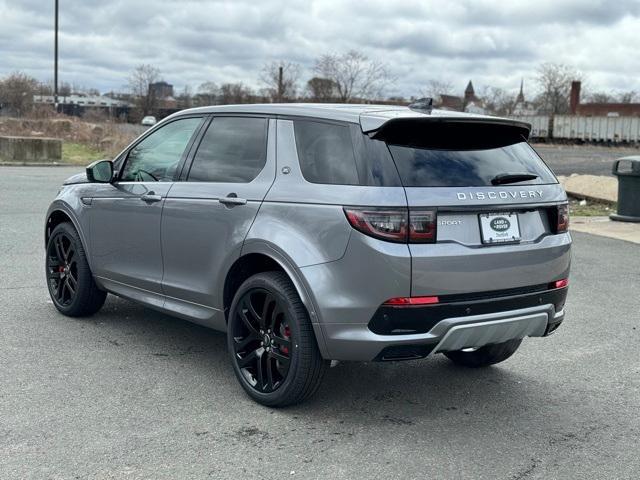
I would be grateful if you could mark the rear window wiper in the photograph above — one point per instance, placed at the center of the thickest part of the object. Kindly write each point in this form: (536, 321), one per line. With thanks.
(503, 178)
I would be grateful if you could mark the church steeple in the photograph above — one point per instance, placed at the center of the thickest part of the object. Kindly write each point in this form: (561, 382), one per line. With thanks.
(469, 90)
(520, 97)
(469, 93)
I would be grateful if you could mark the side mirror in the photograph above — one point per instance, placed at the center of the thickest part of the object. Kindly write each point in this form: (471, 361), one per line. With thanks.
(100, 171)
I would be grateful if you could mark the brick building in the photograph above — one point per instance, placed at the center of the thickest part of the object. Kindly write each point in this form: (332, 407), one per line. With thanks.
(599, 109)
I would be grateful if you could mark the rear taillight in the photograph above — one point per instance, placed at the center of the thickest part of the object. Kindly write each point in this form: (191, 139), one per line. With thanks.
(384, 223)
(562, 217)
(422, 226)
(394, 224)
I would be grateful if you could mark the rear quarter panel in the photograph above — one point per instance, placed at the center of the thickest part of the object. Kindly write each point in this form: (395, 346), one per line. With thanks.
(306, 220)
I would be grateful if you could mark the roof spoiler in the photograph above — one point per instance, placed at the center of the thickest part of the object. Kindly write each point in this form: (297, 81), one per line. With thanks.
(462, 133)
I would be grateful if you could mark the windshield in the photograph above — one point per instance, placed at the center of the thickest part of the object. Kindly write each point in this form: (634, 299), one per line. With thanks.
(422, 167)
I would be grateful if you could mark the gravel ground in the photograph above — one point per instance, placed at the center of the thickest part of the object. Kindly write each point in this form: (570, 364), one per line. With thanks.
(136, 394)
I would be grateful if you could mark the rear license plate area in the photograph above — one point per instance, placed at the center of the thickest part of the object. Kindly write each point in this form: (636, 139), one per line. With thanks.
(498, 228)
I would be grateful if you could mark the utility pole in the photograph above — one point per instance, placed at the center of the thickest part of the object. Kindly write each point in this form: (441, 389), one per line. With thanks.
(280, 86)
(55, 62)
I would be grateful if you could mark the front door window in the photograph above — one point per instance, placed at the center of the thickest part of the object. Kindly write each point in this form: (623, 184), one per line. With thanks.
(156, 158)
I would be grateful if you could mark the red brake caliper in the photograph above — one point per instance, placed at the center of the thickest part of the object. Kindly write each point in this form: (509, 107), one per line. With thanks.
(287, 335)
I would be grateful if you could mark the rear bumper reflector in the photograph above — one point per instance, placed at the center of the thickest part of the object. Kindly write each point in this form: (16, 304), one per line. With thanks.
(400, 301)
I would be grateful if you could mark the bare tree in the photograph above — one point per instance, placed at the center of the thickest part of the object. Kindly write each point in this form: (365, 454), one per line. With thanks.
(601, 97)
(555, 80)
(233, 93)
(435, 88)
(44, 88)
(321, 89)
(185, 98)
(628, 97)
(354, 75)
(208, 93)
(281, 80)
(139, 81)
(16, 93)
(497, 100)
(64, 90)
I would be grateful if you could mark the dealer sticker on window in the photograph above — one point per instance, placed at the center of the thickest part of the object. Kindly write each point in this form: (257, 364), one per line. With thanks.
(499, 227)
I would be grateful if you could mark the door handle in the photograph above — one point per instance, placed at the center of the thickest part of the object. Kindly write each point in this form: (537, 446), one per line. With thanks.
(232, 200)
(151, 197)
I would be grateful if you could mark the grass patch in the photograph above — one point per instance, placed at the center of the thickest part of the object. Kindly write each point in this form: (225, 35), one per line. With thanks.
(79, 154)
(591, 209)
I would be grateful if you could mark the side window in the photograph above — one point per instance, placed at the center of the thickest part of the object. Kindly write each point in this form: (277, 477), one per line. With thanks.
(325, 151)
(233, 150)
(374, 162)
(156, 158)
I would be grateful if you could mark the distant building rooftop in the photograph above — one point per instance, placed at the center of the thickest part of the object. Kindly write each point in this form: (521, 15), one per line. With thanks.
(97, 101)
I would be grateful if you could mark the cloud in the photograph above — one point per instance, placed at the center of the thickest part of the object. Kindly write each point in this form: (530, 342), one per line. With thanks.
(492, 43)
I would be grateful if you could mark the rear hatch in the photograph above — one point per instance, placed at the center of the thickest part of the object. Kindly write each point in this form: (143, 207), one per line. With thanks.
(499, 211)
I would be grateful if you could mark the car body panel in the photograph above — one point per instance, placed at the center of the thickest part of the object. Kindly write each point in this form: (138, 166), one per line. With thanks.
(450, 268)
(174, 255)
(199, 232)
(499, 197)
(68, 202)
(355, 342)
(351, 289)
(133, 256)
(292, 187)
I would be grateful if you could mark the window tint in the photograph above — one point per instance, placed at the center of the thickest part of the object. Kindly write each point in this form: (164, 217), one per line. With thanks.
(421, 167)
(374, 162)
(326, 153)
(234, 150)
(156, 157)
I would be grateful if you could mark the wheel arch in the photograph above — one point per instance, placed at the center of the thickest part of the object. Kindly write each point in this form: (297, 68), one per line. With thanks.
(59, 213)
(257, 257)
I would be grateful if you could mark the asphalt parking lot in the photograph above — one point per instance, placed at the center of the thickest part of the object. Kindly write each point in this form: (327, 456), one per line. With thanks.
(582, 159)
(131, 393)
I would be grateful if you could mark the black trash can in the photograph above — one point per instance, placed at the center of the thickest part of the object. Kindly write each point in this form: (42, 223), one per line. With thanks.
(627, 170)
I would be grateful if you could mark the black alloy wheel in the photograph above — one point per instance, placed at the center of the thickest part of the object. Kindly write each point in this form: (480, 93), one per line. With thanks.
(262, 340)
(71, 285)
(62, 269)
(271, 342)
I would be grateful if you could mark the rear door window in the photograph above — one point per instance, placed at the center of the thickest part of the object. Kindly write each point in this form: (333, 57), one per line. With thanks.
(423, 167)
(233, 150)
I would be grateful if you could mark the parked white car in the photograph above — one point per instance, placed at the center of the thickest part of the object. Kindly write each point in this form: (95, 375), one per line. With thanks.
(149, 121)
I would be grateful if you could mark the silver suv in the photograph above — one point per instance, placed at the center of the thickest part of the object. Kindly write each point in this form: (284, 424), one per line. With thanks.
(312, 233)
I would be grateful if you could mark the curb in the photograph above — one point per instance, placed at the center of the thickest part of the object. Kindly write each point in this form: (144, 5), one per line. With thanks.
(37, 164)
(583, 196)
(604, 227)
(596, 188)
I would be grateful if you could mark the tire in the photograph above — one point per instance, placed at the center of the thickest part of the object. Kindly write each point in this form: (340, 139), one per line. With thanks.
(271, 342)
(69, 279)
(485, 356)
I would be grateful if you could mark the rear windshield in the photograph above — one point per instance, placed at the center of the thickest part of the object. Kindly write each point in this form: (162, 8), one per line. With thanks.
(423, 167)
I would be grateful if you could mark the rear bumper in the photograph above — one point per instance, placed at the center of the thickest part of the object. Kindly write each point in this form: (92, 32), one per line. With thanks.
(358, 342)
(346, 294)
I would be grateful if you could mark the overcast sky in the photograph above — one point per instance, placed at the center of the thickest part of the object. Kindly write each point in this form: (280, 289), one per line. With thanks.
(491, 42)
